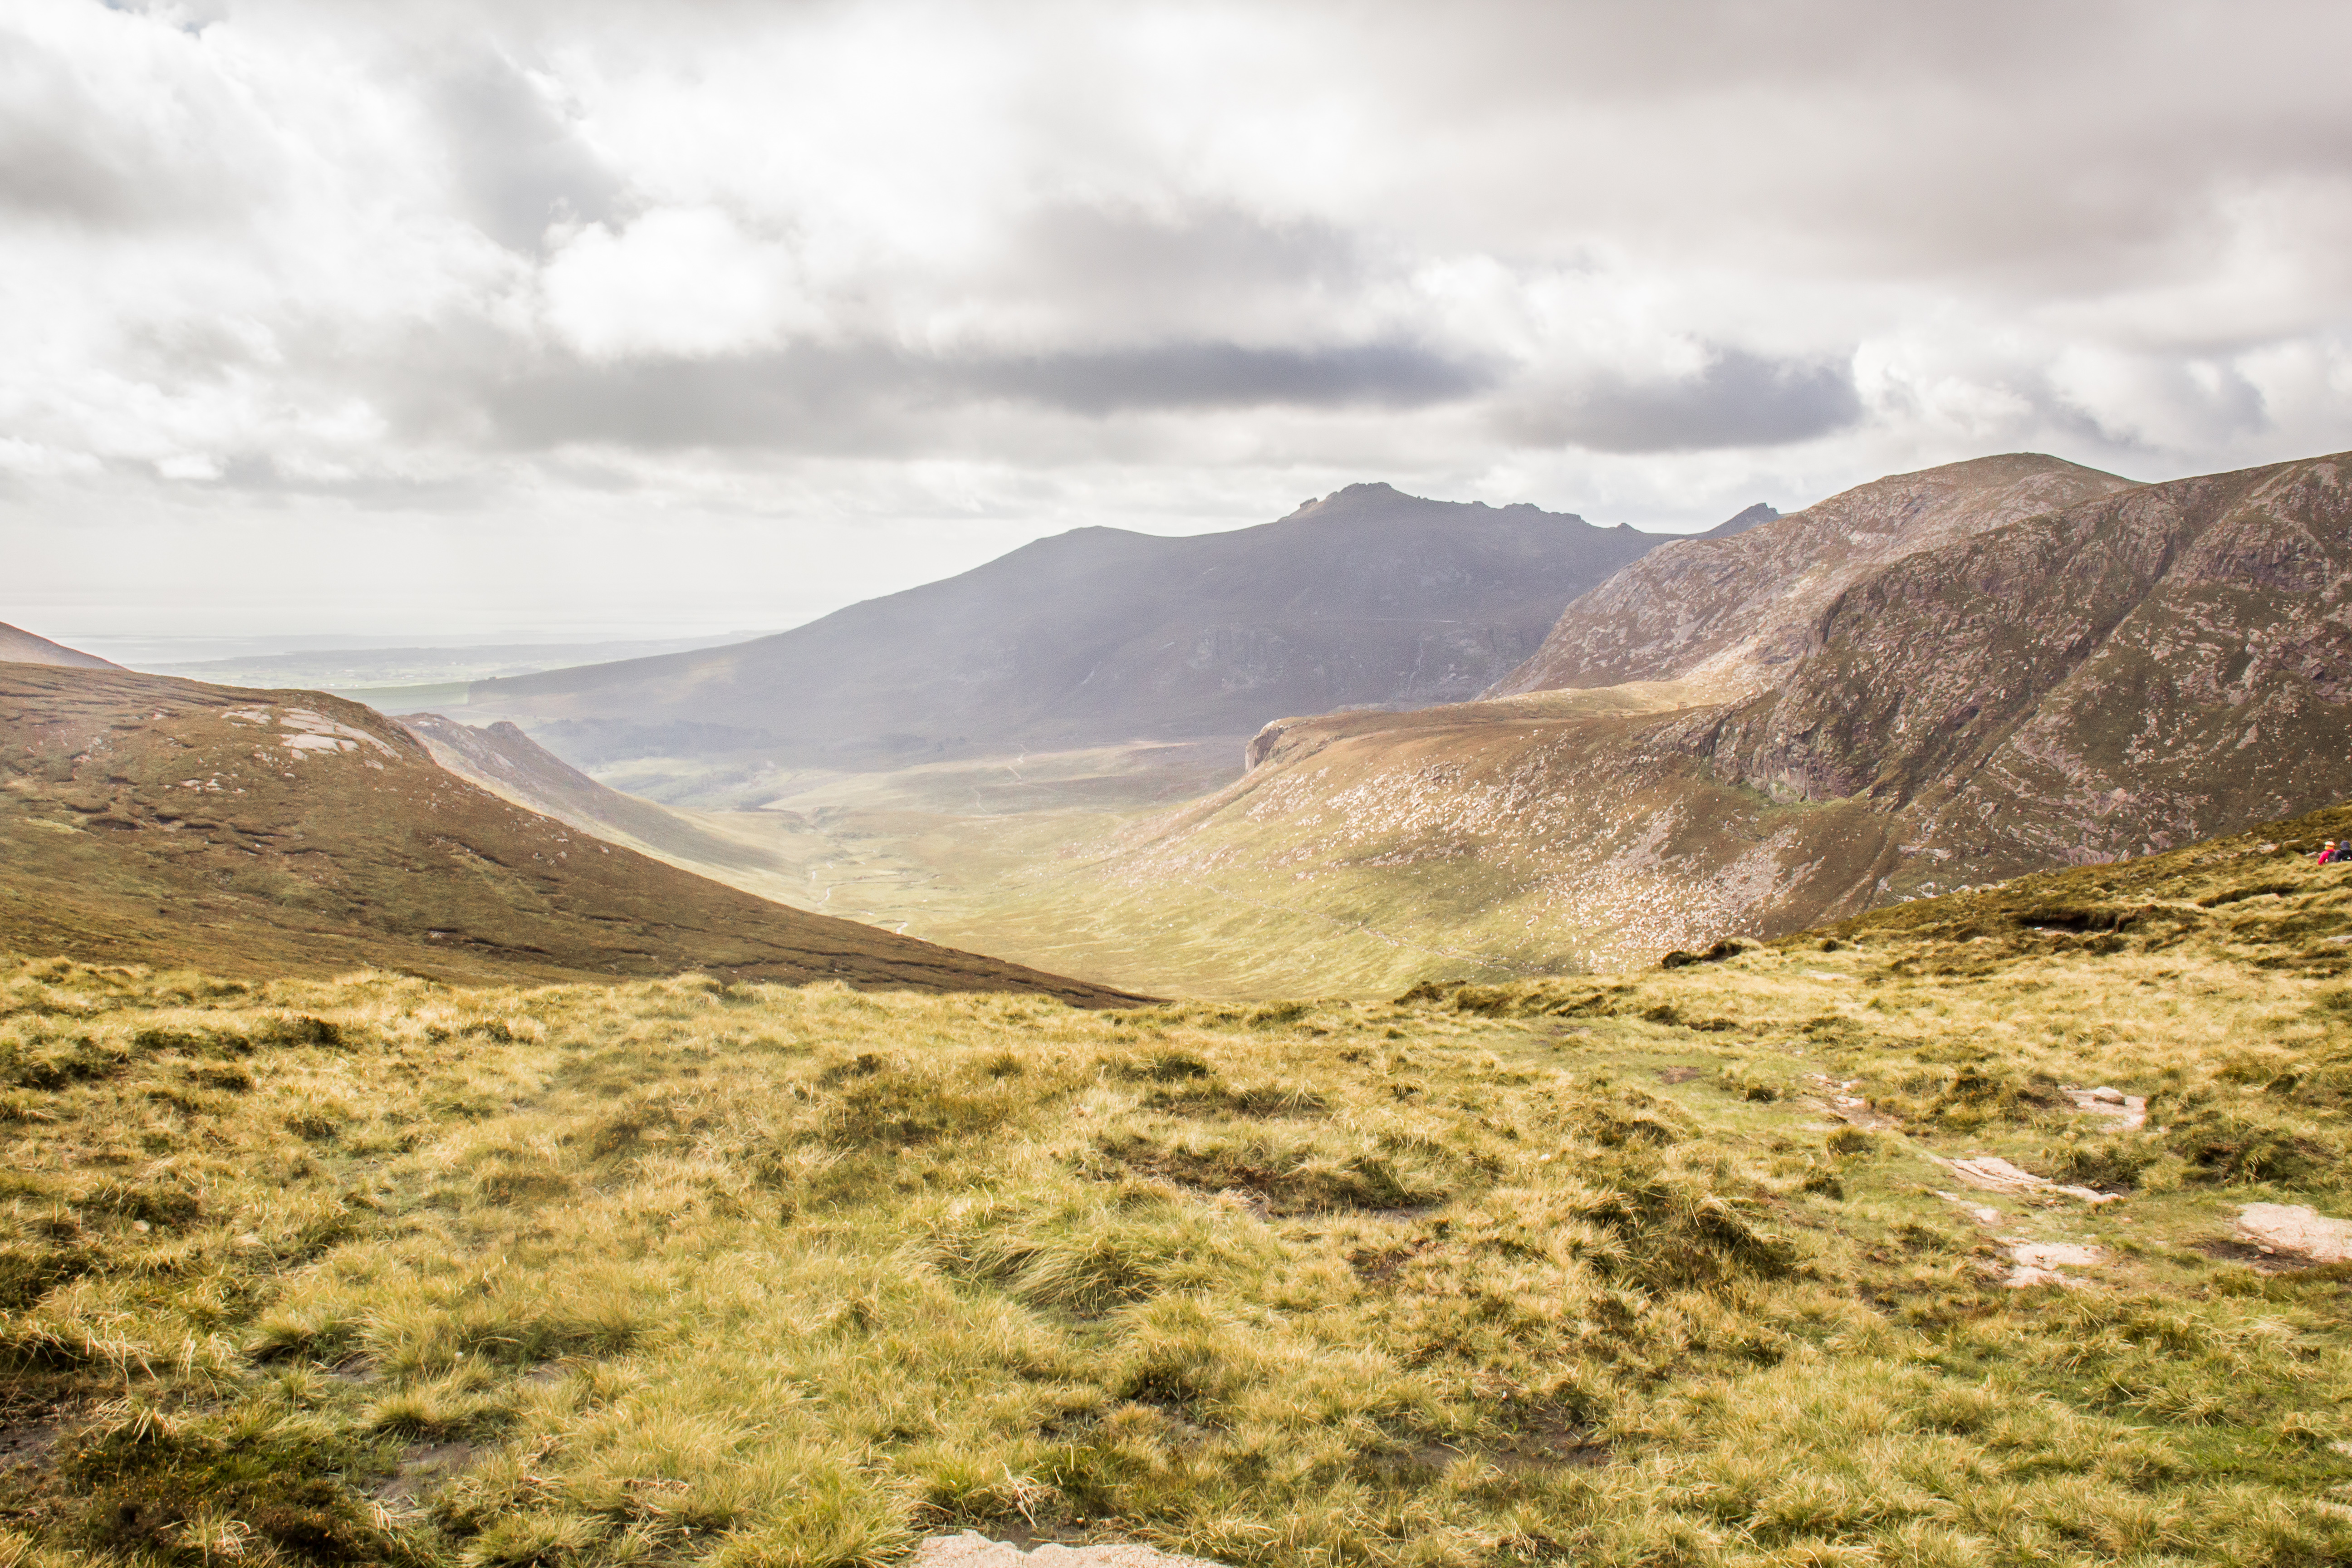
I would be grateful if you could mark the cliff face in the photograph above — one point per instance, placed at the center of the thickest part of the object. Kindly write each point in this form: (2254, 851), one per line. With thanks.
(1937, 680)
(2132, 673)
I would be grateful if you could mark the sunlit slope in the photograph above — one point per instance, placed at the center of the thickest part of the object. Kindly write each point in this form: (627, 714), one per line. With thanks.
(1101, 636)
(2137, 669)
(164, 821)
(1825, 1252)
(507, 763)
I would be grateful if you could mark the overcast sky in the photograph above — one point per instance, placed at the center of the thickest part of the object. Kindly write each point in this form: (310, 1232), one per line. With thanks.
(671, 318)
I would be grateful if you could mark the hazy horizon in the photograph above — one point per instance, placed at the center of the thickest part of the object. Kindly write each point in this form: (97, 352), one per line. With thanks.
(616, 319)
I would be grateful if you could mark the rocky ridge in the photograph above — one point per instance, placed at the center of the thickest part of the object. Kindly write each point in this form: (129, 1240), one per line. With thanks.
(507, 763)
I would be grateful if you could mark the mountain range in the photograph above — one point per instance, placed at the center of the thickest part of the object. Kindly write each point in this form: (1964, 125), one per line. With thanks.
(1934, 680)
(1366, 598)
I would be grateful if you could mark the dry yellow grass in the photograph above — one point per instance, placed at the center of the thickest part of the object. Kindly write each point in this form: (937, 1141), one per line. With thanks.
(1646, 1269)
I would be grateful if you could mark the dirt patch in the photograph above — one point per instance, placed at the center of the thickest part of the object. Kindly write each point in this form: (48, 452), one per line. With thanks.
(27, 1442)
(1279, 1187)
(1544, 1436)
(2295, 1231)
(1677, 1075)
(973, 1550)
(2257, 1258)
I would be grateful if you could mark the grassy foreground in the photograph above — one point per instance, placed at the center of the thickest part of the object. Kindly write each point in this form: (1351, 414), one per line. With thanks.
(1653, 1269)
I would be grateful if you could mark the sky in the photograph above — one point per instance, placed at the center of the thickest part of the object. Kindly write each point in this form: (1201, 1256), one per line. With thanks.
(598, 318)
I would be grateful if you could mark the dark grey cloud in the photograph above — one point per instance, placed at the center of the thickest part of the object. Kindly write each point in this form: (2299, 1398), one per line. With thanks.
(1202, 256)
(1230, 375)
(1740, 399)
(807, 397)
(518, 164)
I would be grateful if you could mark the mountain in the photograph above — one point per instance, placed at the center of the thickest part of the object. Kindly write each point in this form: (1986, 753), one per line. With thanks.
(151, 820)
(1366, 598)
(1734, 607)
(508, 764)
(19, 646)
(1741, 523)
(1932, 681)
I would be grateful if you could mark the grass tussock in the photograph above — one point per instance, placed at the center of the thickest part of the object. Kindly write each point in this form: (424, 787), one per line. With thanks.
(1668, 1267)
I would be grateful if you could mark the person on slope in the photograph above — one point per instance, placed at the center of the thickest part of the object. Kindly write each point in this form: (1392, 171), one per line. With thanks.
(2329, 854)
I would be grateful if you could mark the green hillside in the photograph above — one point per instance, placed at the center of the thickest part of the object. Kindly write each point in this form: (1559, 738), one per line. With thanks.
(1679, 1266)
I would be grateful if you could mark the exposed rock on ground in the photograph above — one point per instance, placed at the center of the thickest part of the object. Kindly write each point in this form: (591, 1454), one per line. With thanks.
(2297, 1229)
(1989, 1175)
(973, 1550)
(2128, 1112)
(2039, 1262)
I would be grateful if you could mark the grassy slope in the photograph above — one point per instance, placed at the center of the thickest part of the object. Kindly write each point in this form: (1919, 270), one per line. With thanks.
(375, 1269)
(143, 818)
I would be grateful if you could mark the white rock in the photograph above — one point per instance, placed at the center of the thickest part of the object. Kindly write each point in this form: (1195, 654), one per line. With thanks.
(2293, 1228)
(2038, 1262)
(973, 1550)
(1989, 1174)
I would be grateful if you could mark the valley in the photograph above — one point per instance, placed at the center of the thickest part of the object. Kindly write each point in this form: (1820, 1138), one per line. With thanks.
(1835, 1049)
(875, 784)
(1936, 680)
(151, 820)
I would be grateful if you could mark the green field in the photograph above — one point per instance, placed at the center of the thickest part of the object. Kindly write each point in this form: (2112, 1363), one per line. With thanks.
(1668, 1267)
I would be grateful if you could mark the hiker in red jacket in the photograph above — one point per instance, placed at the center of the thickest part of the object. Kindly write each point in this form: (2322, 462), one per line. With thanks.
(2329, 854)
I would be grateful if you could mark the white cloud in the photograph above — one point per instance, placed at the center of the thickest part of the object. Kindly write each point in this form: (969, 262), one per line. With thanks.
(677, 280)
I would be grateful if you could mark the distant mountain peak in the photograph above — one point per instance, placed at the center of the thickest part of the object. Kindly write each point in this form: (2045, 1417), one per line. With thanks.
(1741, 523)
(1379, 499)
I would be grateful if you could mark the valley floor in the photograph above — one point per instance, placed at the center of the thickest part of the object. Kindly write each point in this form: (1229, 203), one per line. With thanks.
(1768, 1258)
(1039, 859)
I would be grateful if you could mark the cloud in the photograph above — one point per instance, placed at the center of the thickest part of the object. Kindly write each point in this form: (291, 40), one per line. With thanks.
(819, 397)
(1045, 262)
(678, 282)
(119, 122)
(520, 167)
(1736, 399)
